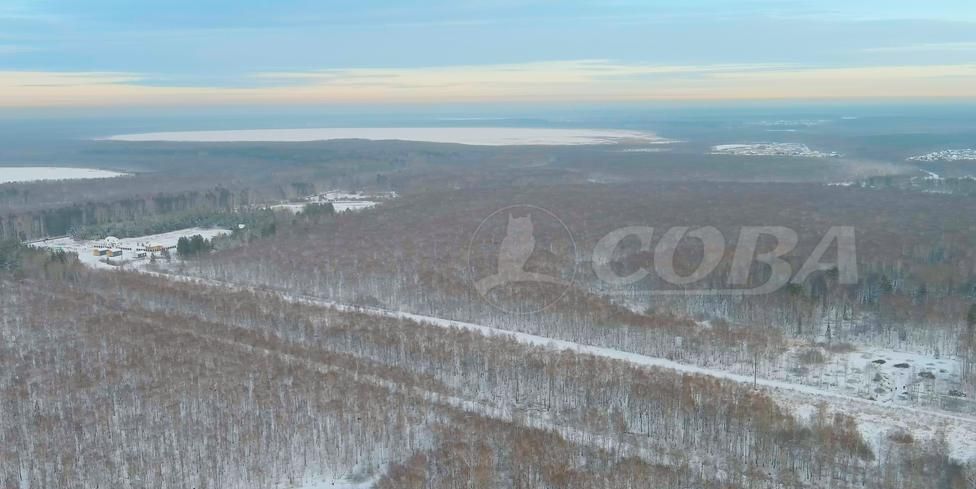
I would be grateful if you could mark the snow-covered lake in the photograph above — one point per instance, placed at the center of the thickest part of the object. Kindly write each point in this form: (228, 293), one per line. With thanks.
(482, 136)
(11, 174)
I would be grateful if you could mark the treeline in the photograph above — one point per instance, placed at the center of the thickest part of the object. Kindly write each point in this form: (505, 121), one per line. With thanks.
(162, 223)
(965, 186)
(176, 177)
(134, 213)
(19, 261)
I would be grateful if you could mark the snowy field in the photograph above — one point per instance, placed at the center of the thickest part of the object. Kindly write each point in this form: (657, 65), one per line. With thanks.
(878, 374)
(343, 206)
(128, 246)
(771, 149)
(947, 155)
(13, 174)
(341, 200)
(339, 205)
(481, 136)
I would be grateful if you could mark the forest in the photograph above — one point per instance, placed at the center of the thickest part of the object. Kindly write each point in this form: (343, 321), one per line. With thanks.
(413, 253)
(253, 389)
(169, 182)
(357, 348)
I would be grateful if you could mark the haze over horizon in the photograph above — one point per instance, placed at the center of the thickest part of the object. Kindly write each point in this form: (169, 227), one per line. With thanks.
(109, 53)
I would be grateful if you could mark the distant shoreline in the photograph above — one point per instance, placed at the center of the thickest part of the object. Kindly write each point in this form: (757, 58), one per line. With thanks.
(479, 136)
(24, 174)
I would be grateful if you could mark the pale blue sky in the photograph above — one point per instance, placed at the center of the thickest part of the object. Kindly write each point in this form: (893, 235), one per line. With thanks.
(247, 50)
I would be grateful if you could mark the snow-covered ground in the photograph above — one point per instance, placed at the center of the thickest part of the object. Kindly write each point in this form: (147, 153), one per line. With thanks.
(947, 155)
(293, 208)
(483, 136)
(875, 418)
(333, 195)
(644, 448)
(11, 174)
(338, 205)
(884, 375)
(341, 201)
(129, 247)
(348, 205)
(771, 149)
(333, 483)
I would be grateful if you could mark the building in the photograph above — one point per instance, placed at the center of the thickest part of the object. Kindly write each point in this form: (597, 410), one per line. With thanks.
(114, 253)
(155, 248)
(99, 251)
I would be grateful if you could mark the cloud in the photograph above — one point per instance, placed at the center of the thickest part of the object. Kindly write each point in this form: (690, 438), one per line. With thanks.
(13, 80)
(14, 49)
(955, 81)
(25, 13)
(499, 79)
(87, 89)
(925, 48)
(556, 81)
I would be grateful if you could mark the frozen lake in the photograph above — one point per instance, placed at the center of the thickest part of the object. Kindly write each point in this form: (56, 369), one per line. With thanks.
(10, 174)
(482, 136)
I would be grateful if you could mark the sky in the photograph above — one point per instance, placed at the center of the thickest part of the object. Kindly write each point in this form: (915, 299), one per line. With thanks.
(112, 53)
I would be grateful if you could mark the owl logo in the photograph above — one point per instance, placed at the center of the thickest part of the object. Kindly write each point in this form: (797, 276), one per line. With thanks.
(516, 248)
(518, 245)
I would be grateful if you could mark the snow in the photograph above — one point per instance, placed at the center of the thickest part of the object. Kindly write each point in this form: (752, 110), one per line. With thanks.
(771, 149)
(338, 205)
(900, 382)
(968, 154)
(128, 246)
(884, 375)
(333, 195)
(341, 200)
(17, 174)
(293, 208)
(334, 483)
(485, 136)
(872, 416)
(961, 430)
(805, 412)
(346, 205)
